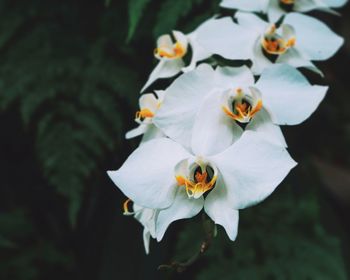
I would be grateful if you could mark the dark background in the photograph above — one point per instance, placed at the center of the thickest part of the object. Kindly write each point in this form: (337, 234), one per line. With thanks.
(70, 74)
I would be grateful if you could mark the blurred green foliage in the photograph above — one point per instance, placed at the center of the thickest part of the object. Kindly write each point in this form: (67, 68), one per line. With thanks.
(70, 72)
(279, 239)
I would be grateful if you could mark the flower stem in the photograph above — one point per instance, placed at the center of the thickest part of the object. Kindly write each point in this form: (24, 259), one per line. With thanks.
(210, 232)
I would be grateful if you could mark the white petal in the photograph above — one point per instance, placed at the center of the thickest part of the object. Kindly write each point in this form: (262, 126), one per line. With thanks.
(198, 53)
(213, 130)
(181, 38)
(141, 129)
(245, 5)
(294, 58)
(263, 124)
(219, 209)
(146, 239)
(165, 41)
(288, 95)
(254, 25)
(259, 60)
(147, 176)
(224, 37)
(147, 217)
(252, 168)
(148, 101)
(182, 208)
(233, 77)
(313, 38)
(160, 95)
(152, 132)
(308, 5)
(183, 98)
(164, 69)
(252, 22)
(335, 3)
(274, 11)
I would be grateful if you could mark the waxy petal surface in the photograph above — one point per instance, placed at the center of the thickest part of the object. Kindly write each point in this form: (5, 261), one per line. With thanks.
(213, 130)
(147, 176)
(184, 96)
(219, 209)
(252, 168)
(182, 208)
(288, 95)
(314, 39)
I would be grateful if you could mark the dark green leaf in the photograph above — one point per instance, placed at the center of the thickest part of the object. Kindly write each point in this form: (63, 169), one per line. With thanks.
(136, 9)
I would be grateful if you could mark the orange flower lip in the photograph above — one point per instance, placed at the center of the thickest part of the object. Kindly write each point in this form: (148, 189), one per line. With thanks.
(143, 114)
(243, 110)
(171, 47)
(276, 44)
(287, 2)
(200, 184)
(178, 51)
(126, 206)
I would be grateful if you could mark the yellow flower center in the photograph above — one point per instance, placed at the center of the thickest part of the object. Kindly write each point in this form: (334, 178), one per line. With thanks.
(177, 51)
(143, 114)
(242, 110)
(276, 44)
(287, 2)
(199, 185)
(126, 207)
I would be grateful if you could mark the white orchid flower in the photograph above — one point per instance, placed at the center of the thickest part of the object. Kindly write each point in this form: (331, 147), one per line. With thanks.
(149, 105)
(299, 40)
(147, 218)
(161, 174)
(209, 104)
(246, 5)
(171, 51)
(276, 8)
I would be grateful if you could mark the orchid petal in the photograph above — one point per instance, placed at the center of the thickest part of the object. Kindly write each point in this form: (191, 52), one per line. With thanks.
(198, 51)
(233, 77)
(147, 217)
(294, 58)
(308, 5)
(148, 101)
(288, 95)
(259, 60)
(213, 130)
(152, 132)
(165, 68)
(274, 11)
(252, 22)
(160, 94)
(244, 5)
(182, 208)
(224, 37)
(147, 176)
(219, 209)
(146, 239)
(263, 124)
(141, 129)
(183, 98)
(181, 38)
(252, 168)
(335, 3)
(313, 38)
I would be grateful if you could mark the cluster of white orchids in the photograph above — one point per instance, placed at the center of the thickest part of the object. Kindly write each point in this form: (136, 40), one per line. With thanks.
(212, 140)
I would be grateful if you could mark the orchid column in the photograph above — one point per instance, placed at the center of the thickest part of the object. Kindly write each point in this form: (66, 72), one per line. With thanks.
(212, 140)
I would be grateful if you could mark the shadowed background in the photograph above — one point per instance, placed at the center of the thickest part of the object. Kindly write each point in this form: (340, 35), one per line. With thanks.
(70, 74)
